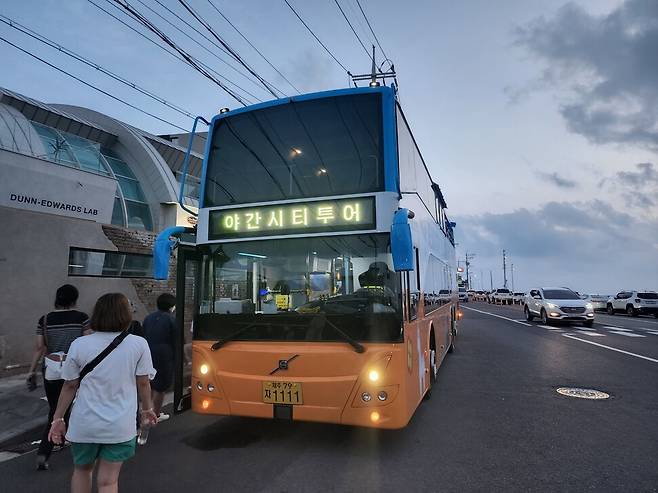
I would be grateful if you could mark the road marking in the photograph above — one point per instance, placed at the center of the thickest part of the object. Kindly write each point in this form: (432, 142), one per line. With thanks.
(590, 333)
(610, 348)
(627, 334)
(499, 316)
(653, 332)
(616, 328)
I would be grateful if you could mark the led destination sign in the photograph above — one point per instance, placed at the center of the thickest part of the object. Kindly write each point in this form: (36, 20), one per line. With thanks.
(301, 217)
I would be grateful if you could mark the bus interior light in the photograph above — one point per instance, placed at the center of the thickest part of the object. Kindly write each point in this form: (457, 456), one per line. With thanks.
(205, 404)
(199, 386)
(382, 396)
(211, 387)
(204, 369)
(365, 397)
(374, 416)
(255, 255)
(373, 375)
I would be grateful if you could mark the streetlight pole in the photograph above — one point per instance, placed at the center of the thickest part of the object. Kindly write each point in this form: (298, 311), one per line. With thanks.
(504, 270)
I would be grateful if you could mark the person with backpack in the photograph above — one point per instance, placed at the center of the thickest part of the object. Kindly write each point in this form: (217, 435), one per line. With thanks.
(105, 372)
(56, 331)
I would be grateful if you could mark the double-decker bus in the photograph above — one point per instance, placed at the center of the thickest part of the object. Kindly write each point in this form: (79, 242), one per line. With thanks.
(323, 247)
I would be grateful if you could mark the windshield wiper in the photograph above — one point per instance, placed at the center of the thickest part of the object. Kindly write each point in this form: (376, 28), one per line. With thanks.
(232, 336)
(357, 346)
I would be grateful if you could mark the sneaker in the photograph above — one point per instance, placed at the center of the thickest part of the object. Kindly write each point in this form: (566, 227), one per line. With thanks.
(42, 463)
(163, 417)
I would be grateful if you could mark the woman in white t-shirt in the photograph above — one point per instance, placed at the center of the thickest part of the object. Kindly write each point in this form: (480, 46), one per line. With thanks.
(102, 426)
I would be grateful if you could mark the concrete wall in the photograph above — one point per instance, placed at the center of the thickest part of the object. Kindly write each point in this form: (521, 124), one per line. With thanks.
(34, 254)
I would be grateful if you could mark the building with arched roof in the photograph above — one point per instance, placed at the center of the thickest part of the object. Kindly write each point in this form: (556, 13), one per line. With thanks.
(82, 196)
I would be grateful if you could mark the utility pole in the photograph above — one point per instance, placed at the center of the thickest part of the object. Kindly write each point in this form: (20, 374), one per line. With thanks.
(512, 269)
(504, 269)
(491, 279)
(469, 257)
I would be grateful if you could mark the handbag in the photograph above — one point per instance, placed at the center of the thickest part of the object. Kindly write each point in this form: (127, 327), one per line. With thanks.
(53, 362)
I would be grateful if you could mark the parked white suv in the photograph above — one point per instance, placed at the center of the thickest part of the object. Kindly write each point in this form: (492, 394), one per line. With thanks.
(502, 296)
(558, 304)
(634, 303)
(463, 295)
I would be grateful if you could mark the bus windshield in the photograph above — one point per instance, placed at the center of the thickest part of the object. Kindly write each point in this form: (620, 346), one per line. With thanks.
(303, 149)
(308, 289)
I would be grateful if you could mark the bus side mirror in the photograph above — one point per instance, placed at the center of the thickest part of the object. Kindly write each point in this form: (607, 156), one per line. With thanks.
(401, 242)
(162, 249)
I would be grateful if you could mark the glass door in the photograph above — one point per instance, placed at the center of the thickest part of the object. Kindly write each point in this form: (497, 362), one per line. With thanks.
(187, 270)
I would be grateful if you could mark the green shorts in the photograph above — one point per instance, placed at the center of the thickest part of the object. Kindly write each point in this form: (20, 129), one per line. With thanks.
(87, 453)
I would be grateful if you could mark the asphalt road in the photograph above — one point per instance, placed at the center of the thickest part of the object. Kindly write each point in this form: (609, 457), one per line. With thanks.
(495, 423)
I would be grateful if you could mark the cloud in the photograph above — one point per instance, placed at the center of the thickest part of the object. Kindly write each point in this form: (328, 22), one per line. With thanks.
(558, 180)
(607, 66)
(588, 245)
(310, 70)
(637, 188)
(646, 175)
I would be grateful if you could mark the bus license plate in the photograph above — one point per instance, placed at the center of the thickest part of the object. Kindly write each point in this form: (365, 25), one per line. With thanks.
(282, 393)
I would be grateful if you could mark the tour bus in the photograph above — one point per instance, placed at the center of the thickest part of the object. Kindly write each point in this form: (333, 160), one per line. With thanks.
(322, 244)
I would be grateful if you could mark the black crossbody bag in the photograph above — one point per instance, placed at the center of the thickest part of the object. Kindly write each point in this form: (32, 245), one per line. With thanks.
(102, 355)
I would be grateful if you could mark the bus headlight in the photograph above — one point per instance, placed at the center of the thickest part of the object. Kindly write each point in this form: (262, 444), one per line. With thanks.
(373, 375)
(204, 369)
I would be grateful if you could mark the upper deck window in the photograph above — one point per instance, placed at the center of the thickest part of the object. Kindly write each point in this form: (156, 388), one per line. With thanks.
(321, 147)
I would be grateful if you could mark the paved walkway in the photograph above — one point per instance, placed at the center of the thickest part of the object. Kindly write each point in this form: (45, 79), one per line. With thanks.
(21, 411)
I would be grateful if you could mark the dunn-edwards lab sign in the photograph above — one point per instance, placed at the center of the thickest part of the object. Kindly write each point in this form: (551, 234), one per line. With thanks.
(34, 185)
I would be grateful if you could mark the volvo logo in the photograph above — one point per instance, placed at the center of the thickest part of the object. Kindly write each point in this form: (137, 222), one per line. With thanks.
(283, 364)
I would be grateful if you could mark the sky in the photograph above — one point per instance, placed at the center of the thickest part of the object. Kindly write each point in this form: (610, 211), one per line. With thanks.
(539, 119)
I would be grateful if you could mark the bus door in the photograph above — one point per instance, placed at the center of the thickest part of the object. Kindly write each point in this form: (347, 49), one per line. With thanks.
(187, 269)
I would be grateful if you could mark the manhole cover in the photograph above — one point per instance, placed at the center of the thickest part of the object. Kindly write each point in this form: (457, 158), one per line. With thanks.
(582, 393)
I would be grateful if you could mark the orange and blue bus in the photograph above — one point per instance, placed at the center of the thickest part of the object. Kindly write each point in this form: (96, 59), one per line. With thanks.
(322, 248)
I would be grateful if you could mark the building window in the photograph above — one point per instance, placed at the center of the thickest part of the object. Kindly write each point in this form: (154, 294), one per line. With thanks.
(102, 263)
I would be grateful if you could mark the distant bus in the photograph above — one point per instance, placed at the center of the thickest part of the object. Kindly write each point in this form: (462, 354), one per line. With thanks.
(324, 253)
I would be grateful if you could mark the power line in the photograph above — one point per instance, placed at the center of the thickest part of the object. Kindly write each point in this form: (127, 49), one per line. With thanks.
(270, 87)
(80, 58)
(353, 30)
(151, 27)
(88, 84)
(219, 47)
(316, 38)
(167, 50)
(371, 30)
(250, 44)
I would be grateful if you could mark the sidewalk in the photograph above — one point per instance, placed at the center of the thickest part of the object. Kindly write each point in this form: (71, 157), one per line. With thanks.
(21, 412)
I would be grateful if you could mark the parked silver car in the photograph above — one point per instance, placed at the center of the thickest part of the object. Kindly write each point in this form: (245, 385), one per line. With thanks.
(598, 301)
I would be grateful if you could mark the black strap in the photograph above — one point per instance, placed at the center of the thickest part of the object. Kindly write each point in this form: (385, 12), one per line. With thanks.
(102, 355)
